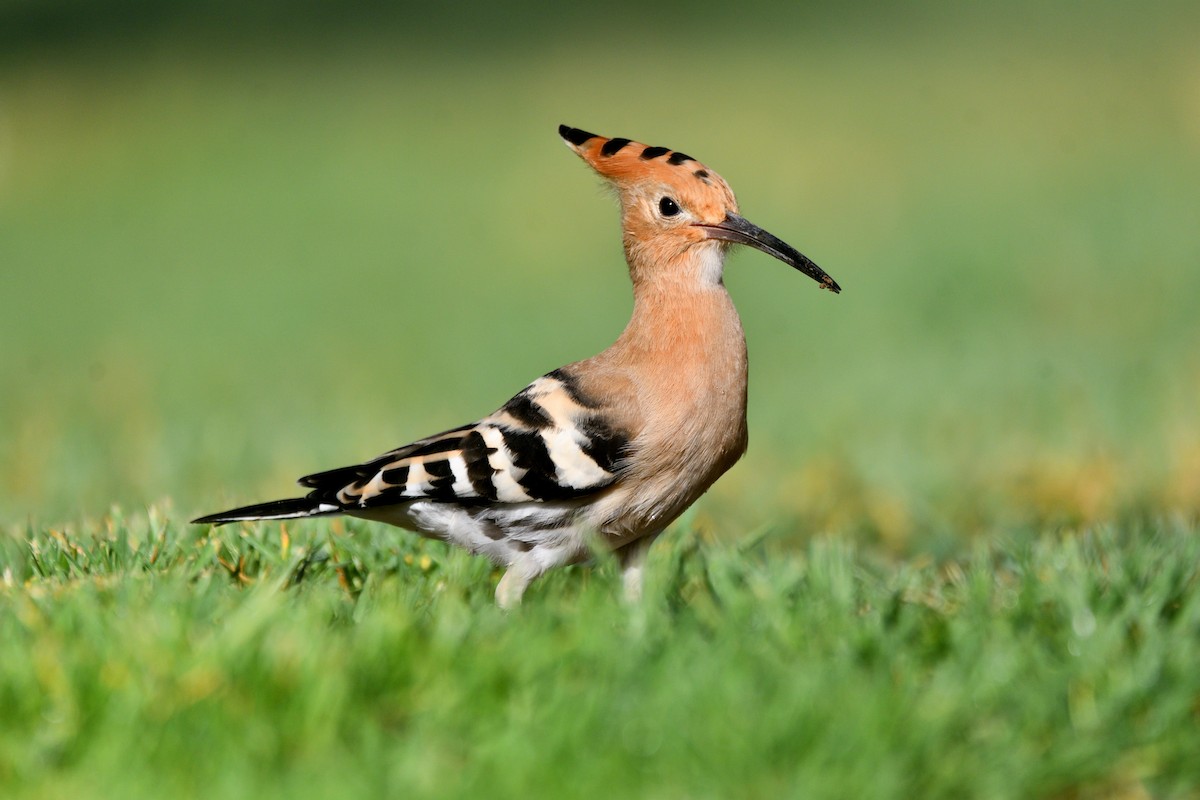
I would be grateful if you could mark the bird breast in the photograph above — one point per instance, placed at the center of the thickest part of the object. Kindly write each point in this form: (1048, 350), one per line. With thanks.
(681, 369)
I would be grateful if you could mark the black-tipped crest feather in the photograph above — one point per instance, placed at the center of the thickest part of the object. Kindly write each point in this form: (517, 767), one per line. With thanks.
(574, 135)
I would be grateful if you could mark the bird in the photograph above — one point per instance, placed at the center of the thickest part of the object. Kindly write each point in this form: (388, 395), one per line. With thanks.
(604, 452)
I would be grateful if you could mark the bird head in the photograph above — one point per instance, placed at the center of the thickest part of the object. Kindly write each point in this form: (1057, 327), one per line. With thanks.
(675, 210)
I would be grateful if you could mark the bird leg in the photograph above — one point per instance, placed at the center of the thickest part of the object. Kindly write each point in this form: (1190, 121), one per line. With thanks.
(632, 559)
(516, 580)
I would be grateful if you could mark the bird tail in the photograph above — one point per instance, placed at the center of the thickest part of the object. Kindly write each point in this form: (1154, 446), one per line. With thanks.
(294, 508)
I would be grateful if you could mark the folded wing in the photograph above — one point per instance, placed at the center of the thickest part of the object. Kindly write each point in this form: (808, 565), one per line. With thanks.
(547, 443)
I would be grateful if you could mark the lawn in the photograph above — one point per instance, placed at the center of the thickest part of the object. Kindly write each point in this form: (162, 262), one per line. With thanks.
(959, 559)
(330, 660)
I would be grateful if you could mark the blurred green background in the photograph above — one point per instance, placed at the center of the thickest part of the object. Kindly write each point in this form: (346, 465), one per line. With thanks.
(242, 244)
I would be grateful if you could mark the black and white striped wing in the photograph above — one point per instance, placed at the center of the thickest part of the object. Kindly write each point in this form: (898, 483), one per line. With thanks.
(547, 443)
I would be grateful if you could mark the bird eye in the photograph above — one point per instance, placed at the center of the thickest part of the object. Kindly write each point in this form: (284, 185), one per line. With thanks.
(668, 207)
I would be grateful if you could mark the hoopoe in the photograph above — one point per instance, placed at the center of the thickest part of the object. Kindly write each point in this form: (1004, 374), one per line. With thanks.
(610, 449)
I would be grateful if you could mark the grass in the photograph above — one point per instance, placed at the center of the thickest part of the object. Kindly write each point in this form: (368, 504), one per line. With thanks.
(227, 261)
(148, 658)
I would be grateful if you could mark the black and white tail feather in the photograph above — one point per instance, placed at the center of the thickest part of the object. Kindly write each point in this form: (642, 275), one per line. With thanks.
(548, 443)
(294, 508)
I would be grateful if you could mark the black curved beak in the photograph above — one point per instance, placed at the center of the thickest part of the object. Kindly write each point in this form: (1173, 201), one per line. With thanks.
(741, 231)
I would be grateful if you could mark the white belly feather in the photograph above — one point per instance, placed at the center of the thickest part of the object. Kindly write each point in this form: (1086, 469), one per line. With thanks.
(554, 533)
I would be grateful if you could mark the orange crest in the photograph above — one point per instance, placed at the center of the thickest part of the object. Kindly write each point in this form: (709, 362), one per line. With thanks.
(625, 162)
